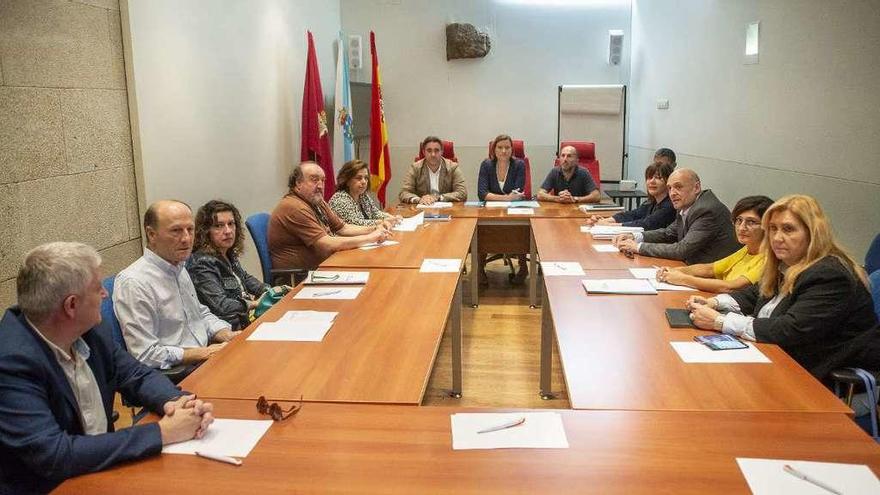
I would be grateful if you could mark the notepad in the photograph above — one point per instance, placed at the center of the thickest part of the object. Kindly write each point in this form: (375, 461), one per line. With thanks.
(645, 273)
(440, 265)
(542, 430)
(766, 477)
(606, 232)
(336, 278)
(520, 211)
(296, 326)
(525, 204)
(600, 207)
(410, 224)
(328, 292)
(474, 203)
(436, 204)
(664, 286)
(606, 248)
(229, 437)
(374, 245)
(561, 268)
(618, 286)
(497, 204)
(695, 352)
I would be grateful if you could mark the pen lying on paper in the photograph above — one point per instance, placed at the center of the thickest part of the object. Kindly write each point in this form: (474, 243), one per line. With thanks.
(798, 474)
(220, 458)
(328, 293)
(505, 426)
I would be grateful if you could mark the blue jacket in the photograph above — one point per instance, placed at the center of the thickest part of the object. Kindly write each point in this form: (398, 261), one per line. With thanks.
(488, 178)
(650, 215)
(41, 437)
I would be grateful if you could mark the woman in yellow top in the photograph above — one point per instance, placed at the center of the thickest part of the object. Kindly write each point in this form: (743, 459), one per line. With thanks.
(740, 269)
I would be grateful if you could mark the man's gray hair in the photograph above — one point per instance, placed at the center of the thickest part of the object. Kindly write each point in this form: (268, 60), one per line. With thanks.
(50, 272)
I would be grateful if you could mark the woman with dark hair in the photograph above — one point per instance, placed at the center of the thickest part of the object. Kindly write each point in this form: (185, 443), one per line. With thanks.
(655, 213)
(221, 283)
(352, 202)
(812, 299)
(740, 269)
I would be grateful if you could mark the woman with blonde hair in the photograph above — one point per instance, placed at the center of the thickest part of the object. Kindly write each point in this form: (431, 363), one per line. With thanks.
(812, 298)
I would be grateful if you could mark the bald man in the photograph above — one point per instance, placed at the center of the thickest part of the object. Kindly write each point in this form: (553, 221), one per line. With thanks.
(164, 324)
(701, 233)
(569, 183)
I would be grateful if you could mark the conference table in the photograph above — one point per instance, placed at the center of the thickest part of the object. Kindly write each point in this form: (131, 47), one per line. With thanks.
(352, 448)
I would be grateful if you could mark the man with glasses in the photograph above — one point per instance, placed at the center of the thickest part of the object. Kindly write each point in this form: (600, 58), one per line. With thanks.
(701, 233)
(304, 230)
(164, 324)
(433, 178)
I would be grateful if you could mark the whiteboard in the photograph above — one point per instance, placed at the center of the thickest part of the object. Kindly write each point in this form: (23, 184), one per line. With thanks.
(595, 113)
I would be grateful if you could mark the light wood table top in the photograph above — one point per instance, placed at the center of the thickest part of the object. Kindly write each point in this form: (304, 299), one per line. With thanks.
(450, 239)
(380, 349)
(562, 240)
(548, 209)
(615, 354)
(350, 448)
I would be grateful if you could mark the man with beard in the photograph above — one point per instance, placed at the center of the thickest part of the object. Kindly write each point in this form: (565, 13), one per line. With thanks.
(569, 183)
(304, 230)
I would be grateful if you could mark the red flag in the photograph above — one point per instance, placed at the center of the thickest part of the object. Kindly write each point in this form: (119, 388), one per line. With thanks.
(315, 134)
(380, 157)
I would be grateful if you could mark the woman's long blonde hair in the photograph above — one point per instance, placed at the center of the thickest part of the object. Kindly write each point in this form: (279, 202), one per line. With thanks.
(821, 244)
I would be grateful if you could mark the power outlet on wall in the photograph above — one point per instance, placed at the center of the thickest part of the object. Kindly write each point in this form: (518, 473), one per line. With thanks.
(662, 104)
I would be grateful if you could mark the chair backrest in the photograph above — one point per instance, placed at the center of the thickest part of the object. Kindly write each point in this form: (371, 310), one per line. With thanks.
(107, 313)
(258, 226)
(519, 151)
(448, 152)
(872, 258)
(874, 278)
(586, 157)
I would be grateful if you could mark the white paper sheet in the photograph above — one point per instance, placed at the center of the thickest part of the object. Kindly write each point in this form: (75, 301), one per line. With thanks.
(695, 352)
(646, 273)
(440, 265)
(664, 286)
(337, 278)
(497, 204)
(540, 431)
(229, 437)
(410, 224)
(766, 477)
(520, 211)
(600, 207)
(436, 204)
(618, 286)
(328, 292)
(296, 326)
(525, 204)
(610, 231)
(558, 268)
(373, 245)
(605, 248)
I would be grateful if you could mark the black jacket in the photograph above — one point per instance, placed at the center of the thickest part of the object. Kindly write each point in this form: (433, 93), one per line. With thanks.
(218, 289)
(827, 309)
(649, 216)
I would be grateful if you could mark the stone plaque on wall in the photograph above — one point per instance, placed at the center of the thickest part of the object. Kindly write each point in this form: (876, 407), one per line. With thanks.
(464, 41)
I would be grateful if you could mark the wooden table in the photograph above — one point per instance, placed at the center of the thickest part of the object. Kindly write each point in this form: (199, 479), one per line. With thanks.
(350, 448)
(381, 348)
(615, 354)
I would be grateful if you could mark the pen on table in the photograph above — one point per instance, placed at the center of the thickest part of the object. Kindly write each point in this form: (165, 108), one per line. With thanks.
(504, 426)
(220, 458)
(559, 267)
(328, 293)
(809, 479)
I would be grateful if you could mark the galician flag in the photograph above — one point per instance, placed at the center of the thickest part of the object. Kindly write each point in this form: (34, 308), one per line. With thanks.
(380, 158)
(343, 132)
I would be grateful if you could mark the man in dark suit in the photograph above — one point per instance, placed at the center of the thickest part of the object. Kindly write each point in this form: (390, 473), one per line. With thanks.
(59, 371)
(701, 233)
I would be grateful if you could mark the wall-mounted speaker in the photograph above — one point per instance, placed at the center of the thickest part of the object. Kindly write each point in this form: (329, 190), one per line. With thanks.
(355, 52)
(615, 46)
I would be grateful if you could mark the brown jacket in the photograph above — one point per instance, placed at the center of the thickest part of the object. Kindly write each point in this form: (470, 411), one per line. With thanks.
(417, 182)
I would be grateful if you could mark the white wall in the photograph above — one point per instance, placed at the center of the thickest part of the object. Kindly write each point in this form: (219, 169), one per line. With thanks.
(805, 119)
(513, 90)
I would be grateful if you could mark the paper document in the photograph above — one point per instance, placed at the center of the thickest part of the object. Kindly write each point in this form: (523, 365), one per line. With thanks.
(525, 204)
(695, 352)
(296, 326)
(520, 211)
(664, 286)
(645, 273)
(337, 278)
(600, 207)
(229, 437)
(374, 245)
(542, 430)
(328, 292)
(557, 268)
(610, 231)
(767, 476)
(473, 203)
(410, 224)
(618, 286)
(606, 248)
(497, 204)
(436, 204)
(440, 265)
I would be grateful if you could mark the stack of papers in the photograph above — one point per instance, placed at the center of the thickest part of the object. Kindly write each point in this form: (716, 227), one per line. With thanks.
(436, 204)
(374, 245)
(560, 268)
(337, 278)
(474, 203)
(410, 224)
(226, 437)
(542, 430)
(525, 204)
(608, 232)
(600, 207)
(695, 352)
(605, 248)
(650, 274)
(619, 286)
(328, 292)
(440, 265)
(520, 211)
(497, 204)
(296, 326)
(768, 477)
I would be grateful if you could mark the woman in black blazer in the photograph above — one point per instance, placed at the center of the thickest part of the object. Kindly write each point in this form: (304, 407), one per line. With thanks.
(812, 299)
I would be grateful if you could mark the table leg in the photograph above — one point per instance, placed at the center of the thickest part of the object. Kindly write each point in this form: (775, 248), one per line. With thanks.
(475, 270)
(455, 322)
(546, 348)
(533, 269)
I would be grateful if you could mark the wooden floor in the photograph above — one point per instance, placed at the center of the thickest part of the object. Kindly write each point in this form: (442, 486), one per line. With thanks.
(500, 346)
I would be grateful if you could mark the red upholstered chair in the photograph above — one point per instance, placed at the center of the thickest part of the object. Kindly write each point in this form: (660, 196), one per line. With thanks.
(448, 152)
(519, 152)
(586, 157)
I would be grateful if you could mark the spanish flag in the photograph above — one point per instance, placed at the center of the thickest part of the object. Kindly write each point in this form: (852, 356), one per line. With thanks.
(380, 158)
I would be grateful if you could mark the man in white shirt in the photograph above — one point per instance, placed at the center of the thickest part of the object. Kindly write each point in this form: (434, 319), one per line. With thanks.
(164, 324)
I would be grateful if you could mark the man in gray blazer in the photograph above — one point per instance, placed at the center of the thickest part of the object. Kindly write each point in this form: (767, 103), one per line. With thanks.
(701, 233)
(433, 178)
